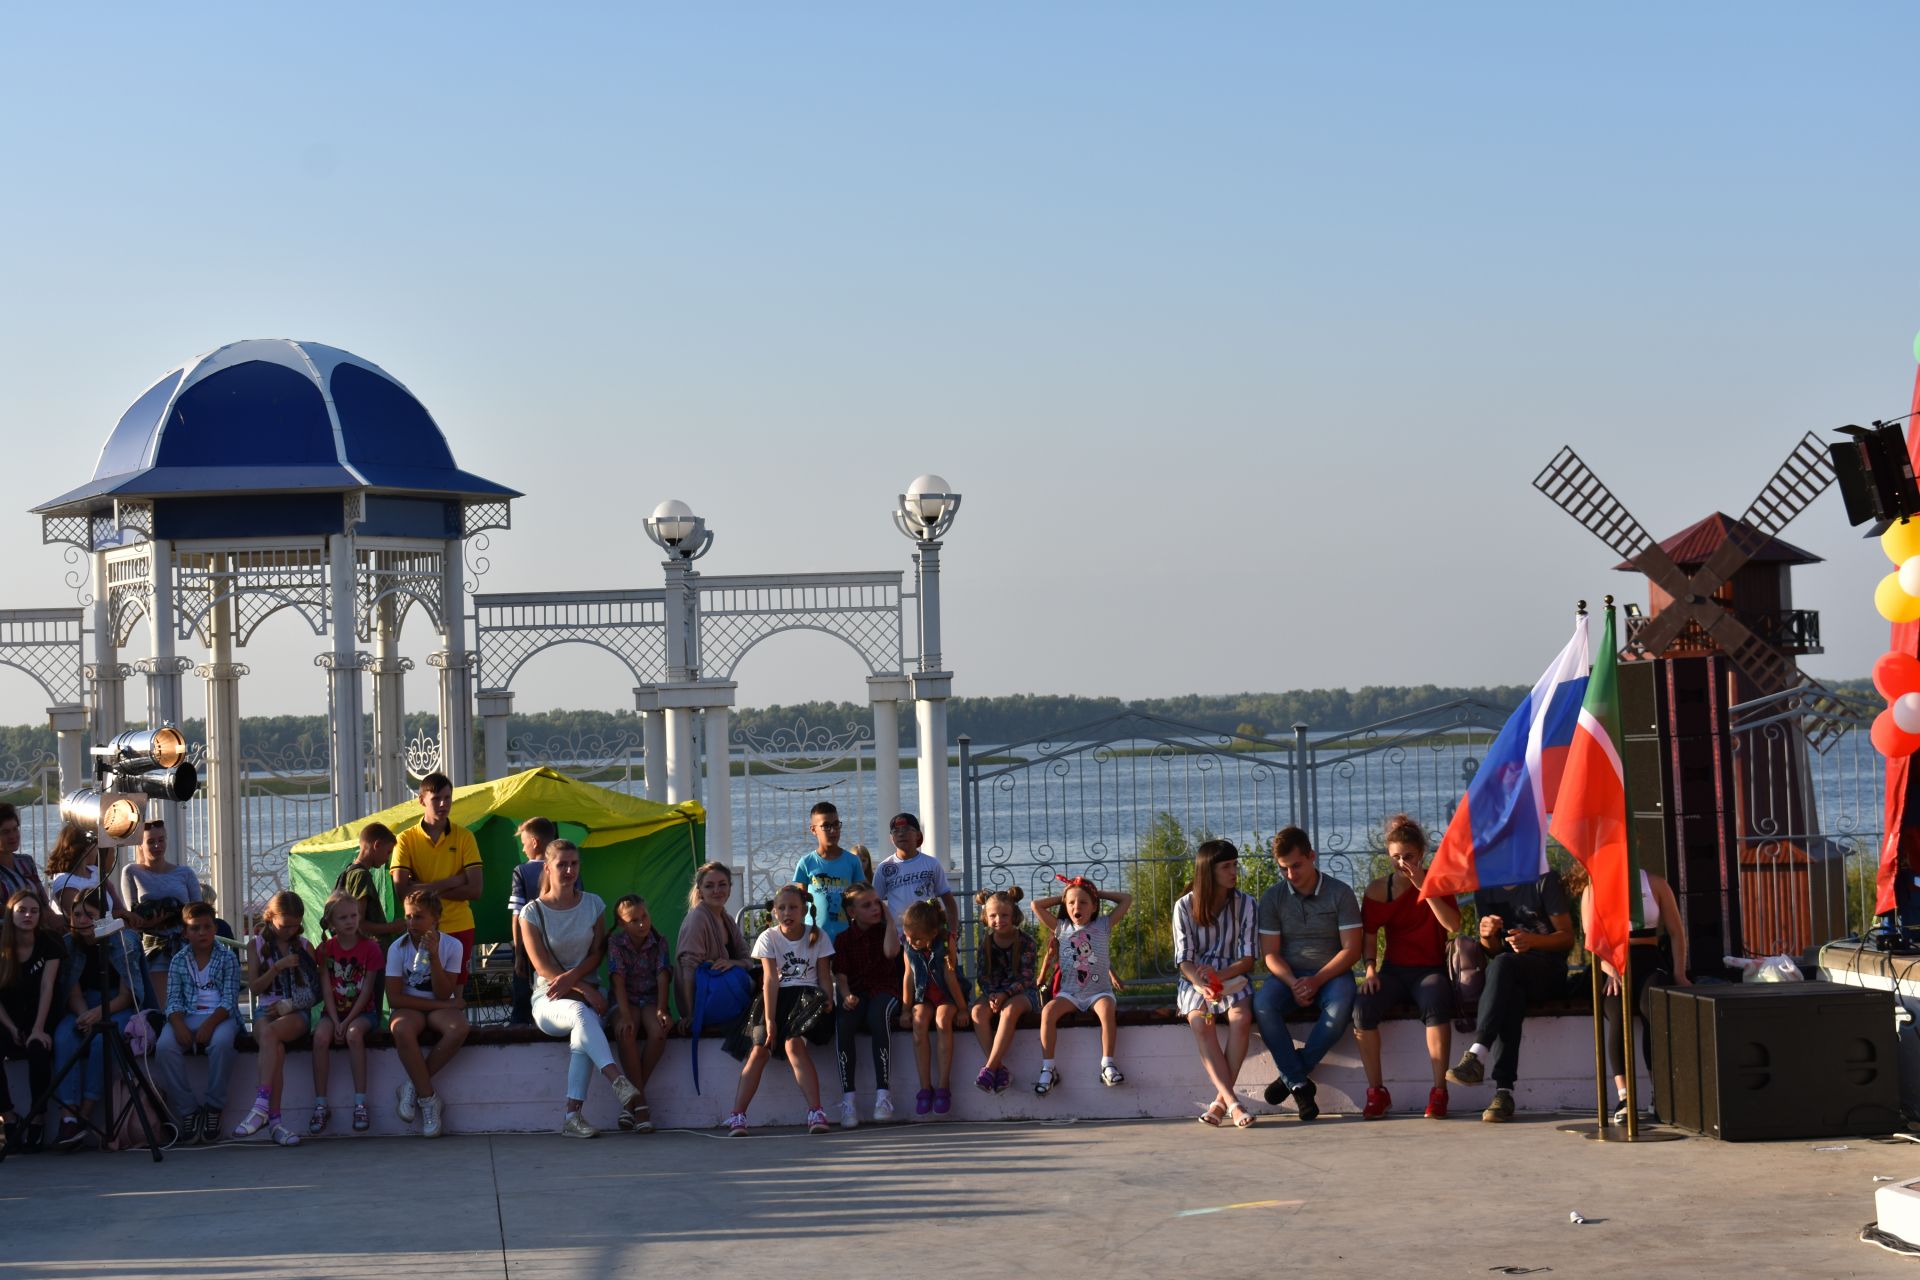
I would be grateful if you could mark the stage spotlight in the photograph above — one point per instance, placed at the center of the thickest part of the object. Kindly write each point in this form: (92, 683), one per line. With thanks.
(177, 784)
(113, 819)
(1875, 475)
(138, 750)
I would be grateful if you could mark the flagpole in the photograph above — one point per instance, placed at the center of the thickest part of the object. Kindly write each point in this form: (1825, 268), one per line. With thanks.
(1599, 1023)
(1626, 1024)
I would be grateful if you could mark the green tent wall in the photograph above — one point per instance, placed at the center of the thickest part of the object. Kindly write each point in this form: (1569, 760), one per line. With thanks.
(627, 845)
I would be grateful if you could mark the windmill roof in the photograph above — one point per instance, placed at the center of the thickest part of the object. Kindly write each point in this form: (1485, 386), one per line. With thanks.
(1695, 544)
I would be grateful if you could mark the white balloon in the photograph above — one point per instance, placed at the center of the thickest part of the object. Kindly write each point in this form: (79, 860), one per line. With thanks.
(1906, 712)
(1910, 576)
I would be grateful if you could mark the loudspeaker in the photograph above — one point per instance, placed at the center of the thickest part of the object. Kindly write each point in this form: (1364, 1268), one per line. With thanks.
(1677, 758)
(1751, 1061)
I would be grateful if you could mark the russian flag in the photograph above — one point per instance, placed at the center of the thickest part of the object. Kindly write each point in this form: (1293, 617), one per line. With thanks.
(1499, 833)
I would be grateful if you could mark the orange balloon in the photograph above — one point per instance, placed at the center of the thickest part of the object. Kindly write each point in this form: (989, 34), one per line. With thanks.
(1890, 740)
(1895, 674)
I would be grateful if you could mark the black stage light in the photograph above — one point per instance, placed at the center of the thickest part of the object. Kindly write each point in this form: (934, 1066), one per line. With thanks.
(1875, 475)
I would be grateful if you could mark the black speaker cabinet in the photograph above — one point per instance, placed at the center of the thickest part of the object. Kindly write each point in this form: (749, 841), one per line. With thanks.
(1753, 1061)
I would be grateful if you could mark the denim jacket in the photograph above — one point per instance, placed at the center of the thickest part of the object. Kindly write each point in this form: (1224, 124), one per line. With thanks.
(129, 961)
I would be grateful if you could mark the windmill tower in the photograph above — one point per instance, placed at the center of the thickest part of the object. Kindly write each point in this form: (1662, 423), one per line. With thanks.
(1720, 631)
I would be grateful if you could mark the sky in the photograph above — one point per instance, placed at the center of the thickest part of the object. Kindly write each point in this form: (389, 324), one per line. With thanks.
(1242, 329)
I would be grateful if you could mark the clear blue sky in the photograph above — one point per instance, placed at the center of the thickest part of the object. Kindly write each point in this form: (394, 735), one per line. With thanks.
(1242, 328)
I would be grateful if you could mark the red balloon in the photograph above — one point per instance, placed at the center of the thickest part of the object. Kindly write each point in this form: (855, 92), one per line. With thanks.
(1896, 674)
(1890, 740)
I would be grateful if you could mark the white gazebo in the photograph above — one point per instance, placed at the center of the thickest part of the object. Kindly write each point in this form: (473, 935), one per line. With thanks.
(266, 475)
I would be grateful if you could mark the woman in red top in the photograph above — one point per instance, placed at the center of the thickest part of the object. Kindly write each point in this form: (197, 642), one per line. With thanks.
(1415, 970)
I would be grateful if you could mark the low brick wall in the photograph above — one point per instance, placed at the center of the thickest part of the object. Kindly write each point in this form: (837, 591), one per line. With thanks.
(509, 1080)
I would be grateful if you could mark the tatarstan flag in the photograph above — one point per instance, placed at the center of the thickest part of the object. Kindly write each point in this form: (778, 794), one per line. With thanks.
(1590, 819)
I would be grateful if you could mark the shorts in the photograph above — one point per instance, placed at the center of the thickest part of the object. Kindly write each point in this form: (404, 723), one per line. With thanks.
(465, 938)
(936, 993)
(1086, 997)
(1427, 989)
(788, 1013)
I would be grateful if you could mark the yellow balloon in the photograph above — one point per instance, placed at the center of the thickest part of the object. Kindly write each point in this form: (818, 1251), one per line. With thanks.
(1901, 541)
(1894, 604)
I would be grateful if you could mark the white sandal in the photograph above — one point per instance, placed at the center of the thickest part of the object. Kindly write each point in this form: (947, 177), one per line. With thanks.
(1048, 1078)
(1110, 1075)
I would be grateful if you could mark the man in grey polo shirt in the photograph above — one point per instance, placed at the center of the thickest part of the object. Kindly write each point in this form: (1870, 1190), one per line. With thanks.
(1309, 941)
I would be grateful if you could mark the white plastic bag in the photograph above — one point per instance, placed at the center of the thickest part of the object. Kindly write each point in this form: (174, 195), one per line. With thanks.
(1772, 969)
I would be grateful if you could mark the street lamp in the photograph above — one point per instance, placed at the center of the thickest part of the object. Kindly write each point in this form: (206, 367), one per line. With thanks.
(926, 509)
(683, 535)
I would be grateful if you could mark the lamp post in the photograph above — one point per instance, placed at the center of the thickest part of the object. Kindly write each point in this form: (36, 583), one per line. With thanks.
(685, 537)
(925, 513)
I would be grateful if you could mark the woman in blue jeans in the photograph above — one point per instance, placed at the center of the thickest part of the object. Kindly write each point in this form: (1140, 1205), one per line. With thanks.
(125, 978)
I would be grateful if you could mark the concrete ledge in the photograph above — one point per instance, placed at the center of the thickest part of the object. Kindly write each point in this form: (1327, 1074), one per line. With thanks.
(518, 1086)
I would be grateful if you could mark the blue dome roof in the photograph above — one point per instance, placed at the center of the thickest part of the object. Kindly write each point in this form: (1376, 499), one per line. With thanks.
(271, 415)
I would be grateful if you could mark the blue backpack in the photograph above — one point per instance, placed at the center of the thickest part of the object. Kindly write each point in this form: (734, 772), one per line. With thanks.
(718, 997)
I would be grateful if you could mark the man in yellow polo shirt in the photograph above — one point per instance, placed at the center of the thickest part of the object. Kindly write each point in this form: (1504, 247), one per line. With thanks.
(443, 857)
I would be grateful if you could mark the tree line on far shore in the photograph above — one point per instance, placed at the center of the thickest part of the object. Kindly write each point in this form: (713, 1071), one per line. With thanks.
(990, 722)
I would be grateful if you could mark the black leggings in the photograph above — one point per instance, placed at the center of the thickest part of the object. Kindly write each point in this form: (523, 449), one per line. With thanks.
(39, 1068)
(1647, 959)
(1514, 981)
(876, 1016)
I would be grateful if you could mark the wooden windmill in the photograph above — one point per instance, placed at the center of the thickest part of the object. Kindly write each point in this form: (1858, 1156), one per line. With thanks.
(1717, 818)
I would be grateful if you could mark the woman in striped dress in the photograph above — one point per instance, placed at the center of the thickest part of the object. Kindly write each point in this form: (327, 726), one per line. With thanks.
(1214, 942)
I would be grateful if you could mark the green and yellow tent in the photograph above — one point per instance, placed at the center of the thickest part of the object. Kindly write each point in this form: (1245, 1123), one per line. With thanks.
(627, 845)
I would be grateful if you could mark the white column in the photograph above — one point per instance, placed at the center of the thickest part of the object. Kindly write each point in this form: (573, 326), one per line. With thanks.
(456, 672)
(226, 845)
(930, 690)
(389, 707)
(886, 693)
(346, 759)
(164, 669)
(653, 740)
(69, 722)
(719, 782)
(679, 754)
(496, 705)
(106, 677)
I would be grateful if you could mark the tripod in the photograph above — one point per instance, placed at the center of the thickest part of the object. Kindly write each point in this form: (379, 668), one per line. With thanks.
(119, 1061)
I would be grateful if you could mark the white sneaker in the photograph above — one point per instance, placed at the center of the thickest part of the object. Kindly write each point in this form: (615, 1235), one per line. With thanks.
(576, 1126)
(628, 1092)
(403, 1102)
(883, 1109)
(431, 1109)
(849, 1114)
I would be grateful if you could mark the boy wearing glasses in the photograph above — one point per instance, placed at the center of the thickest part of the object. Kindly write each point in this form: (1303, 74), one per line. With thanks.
(829, 871)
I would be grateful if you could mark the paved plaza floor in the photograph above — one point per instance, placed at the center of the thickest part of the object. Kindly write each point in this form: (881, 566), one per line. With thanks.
(1163, 1199)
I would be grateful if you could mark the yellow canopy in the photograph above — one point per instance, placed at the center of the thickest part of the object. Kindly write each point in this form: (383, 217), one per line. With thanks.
(608, 816)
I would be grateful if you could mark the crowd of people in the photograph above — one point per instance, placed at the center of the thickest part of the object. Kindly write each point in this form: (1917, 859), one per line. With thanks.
(854, 947)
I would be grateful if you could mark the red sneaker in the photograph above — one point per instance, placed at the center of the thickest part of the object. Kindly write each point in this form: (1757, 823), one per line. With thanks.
(1378, 1101)
(1437, 1102)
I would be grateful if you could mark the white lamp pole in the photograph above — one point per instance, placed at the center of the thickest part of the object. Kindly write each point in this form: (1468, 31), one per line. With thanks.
(685, 538)
(925, 512)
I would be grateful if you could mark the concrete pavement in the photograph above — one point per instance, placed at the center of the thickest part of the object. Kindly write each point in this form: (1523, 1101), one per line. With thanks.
(1162, 1199)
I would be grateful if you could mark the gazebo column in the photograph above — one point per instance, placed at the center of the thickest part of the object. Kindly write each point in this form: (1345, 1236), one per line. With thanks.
(496, 705)
(164, 669)
(389, 707)
(455, 665)
(653, 740)
(886, 693)
(346, 759)
(106, 677)
(226, 846)
(69, 722)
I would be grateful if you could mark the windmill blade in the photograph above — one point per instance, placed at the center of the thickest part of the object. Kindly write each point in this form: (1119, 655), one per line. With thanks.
(1664, 627)
(1571, 485)
(1821, 709)
(1803, 477)
(1743, 544)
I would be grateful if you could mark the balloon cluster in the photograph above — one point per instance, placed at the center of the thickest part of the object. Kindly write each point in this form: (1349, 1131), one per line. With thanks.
(1896, 731)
